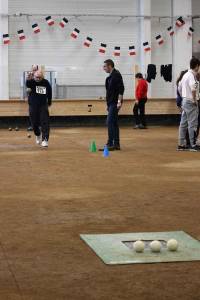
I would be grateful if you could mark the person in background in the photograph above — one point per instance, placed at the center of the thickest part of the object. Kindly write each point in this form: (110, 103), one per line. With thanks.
(179, 98)
(40, 97)
(140, 102)
(114, 97)
(34, 69)
(188, 90)
(198, 127)
(179, 101)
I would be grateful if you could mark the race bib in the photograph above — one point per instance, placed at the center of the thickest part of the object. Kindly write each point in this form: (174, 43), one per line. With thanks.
(41, 90)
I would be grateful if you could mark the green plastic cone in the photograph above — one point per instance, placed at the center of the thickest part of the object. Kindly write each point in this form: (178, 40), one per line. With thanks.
(93, 147)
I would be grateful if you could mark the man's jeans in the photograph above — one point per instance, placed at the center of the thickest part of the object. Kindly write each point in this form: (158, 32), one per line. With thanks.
(113, 126)
(189, 120)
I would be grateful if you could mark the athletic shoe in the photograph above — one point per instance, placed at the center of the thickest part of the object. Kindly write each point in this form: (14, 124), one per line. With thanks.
(182, 148)
(110, 148)
(195, 148)
(117, 147)
(136, 127)
(141, 126)
(198, 143)
(45, 144)
(38, 139)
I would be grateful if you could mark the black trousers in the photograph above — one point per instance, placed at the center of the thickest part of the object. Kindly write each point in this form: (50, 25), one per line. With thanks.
(139, 112)
(39, 115)
(113, 125)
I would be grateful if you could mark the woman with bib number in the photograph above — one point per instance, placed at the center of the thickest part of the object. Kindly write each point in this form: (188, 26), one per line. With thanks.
(40, 98)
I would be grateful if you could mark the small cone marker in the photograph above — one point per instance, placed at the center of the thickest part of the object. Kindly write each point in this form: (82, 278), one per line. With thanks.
(93, 147)
(106, 152)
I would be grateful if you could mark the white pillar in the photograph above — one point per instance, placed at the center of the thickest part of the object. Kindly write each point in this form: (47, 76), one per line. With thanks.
(182, 48)
(4, 82)
(145, 35)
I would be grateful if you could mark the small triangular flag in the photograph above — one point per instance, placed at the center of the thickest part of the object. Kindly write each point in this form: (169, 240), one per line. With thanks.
(132, 50)
(21, 35)
(159, 39)
(180, 22)
(64, 22)
(36, 28)
(190, 31)
(6, 39)
(50, 21)
(117, 51)
(88, 42)
(75, 33)
(146, 47)
(102, 48)
(170, 30)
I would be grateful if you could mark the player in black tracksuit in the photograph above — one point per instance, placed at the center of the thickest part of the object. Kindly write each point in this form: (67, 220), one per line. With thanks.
(40, 97)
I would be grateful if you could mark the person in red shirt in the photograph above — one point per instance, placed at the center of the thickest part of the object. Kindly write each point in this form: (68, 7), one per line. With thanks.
(140, 101)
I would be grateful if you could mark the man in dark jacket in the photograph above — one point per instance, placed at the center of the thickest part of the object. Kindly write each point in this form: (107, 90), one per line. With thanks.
(40, 97)
(114, 98)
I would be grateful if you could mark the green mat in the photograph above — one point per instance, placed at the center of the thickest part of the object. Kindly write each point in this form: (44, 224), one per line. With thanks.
(115, 249)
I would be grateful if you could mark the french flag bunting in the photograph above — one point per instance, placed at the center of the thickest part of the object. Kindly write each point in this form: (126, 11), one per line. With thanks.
(170, 30)
(102, 48)
(190, 31)
(159, 39)
(132, 50)
(50, 21)
(117, 51)
(88, 42)
(36, 28)
(180, 22)
(6, 39)
(146, 47)
(75, 33)
(21, 35)
(64, 22)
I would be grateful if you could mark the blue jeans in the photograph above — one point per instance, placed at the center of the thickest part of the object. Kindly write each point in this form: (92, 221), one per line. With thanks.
(189, 121)
(113, 126)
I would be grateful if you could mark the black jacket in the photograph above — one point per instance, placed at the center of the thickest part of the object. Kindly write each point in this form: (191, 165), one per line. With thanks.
(166, 72)
(151, 72)
(114, 87)
(41, 92)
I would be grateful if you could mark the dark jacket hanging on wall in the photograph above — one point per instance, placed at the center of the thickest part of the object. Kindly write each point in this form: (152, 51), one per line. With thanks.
(151, 72)
(166, 72)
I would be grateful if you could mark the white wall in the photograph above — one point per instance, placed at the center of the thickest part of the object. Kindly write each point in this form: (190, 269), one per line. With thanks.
(78, 65)
(161, 55)
(196, 25)
(4, 90)
(55, 49)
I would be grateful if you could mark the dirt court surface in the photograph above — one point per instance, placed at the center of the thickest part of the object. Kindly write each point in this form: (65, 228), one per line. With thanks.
(49, 197)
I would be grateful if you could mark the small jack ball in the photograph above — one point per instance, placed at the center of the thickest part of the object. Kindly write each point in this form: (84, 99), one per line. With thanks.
(16, 129)
(29, 136)
(10, 129)
(139, 246)
(172, 245)
(155, 246)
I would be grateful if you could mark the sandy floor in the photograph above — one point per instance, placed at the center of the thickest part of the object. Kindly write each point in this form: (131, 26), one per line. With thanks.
(48, 197)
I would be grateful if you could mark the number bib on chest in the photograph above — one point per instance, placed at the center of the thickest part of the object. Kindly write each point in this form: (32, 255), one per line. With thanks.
(41, 90)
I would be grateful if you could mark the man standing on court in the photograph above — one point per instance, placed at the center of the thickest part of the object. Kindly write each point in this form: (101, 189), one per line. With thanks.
(114, 97)
(188, 89)
(140, 101)
(40, 97)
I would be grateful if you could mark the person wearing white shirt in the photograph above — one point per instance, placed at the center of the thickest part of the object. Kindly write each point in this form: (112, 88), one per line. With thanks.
(188, 89)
